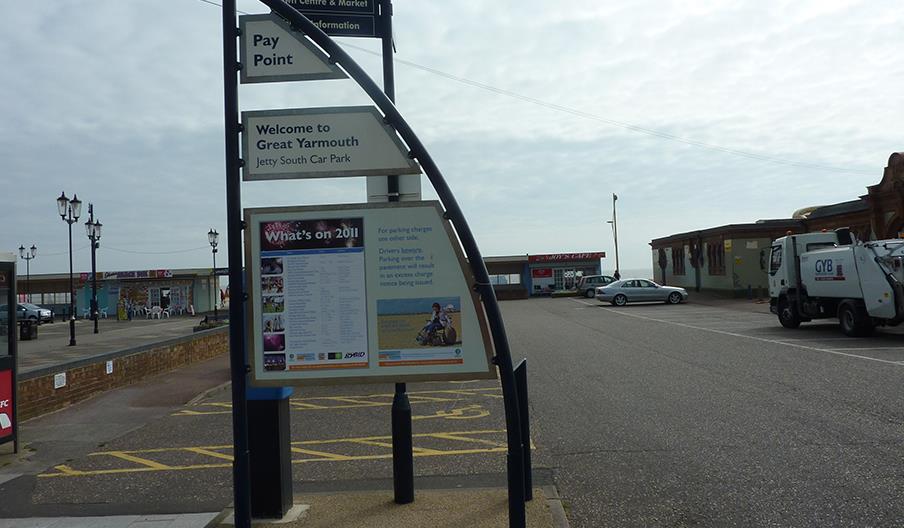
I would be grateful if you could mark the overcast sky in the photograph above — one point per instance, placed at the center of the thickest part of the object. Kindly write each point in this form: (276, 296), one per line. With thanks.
(540, 112)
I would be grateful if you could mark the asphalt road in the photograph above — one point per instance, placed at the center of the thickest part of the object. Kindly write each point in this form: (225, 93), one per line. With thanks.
(689, 415)
(646, 415)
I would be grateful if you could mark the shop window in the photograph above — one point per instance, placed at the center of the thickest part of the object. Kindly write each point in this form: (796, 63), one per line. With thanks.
(506, 278)
(678, 261)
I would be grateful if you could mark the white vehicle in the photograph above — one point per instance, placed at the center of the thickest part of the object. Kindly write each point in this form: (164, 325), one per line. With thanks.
(831, 274)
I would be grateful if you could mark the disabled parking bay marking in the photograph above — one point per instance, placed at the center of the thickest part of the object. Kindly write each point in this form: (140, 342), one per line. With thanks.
(447, 443)
(326, 403)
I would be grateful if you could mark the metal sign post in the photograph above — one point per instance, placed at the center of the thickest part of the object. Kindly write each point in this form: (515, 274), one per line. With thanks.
(482, 285)
(241, 466)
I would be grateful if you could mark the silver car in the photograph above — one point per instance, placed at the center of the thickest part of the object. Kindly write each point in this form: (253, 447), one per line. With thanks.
(624, 291)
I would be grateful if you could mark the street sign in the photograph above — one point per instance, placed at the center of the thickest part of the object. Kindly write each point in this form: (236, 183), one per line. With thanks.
(343, 18)
(321, 143)
(270, 51)
(361, 293)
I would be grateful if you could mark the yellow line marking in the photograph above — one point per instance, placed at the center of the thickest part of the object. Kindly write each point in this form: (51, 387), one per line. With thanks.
(68, 471)
(208, 452)
(147, 465)
(304, 405)
(452, 436)
(354, 401)
(138, 460)
(322, 454)
(475, 411)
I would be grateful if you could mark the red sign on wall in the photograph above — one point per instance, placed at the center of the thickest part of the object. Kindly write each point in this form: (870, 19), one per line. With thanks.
(6, 403)
(541, 273)
(563, 257)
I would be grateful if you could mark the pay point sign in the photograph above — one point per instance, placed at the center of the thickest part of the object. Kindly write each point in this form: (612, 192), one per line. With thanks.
(361, 293)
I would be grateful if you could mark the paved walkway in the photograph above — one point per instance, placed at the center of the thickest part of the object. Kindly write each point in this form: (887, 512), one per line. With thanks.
(189, 520)
(52, 345)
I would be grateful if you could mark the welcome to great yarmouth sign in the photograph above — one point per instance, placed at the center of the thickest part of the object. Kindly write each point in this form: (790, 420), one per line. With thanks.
(321, 143)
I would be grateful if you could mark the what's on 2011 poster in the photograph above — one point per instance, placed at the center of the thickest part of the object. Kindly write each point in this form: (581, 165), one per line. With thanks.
(354, 293)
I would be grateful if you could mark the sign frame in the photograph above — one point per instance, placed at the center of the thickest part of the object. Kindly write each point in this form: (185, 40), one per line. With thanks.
(412, 167)
(252, 319)
(244, 77)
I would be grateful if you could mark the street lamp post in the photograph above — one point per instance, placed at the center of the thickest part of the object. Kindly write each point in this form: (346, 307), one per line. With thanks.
(614, 223)
(69, 211)
(213, 237)
(27, 254)
(92, 228)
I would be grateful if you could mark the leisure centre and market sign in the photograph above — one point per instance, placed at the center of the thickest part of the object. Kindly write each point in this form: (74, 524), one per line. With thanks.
(342, 18)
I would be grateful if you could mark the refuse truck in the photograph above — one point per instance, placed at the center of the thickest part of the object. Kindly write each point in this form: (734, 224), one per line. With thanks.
(831, 274)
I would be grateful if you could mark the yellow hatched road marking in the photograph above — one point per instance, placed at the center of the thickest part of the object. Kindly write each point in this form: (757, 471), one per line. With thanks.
(138, 460)
(146, 465)
(209, 452)
(356, 401)
(322, 454)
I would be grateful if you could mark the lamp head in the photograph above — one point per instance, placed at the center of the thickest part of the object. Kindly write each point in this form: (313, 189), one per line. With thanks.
(62, 204)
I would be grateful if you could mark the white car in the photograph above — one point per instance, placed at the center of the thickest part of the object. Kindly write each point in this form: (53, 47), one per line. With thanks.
(623, 291)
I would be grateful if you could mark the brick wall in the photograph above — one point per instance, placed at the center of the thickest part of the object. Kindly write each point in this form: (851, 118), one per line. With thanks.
(85, 378)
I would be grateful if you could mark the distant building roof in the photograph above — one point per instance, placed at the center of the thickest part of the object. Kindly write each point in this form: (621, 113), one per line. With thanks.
(852, 206)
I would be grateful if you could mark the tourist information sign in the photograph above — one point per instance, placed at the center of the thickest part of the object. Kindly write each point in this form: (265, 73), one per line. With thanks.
(270, 51)
(342, 18)
(320, 143)
(361, 293)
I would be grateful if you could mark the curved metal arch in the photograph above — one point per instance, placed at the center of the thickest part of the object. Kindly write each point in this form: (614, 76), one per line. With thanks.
(503, 356)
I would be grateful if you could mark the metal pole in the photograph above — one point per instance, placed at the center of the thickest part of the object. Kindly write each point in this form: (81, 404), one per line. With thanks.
(240, 466)
(71, 286)
(93, 269)
(28, 278)
(402, 443)
(215, 287)
(483, 286)
(615, 231)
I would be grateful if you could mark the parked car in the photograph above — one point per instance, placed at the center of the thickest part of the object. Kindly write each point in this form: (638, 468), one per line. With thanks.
(624, 291)
(588, 284)
(28, 311)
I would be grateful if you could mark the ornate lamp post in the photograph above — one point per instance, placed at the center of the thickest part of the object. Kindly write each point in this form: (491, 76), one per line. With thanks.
(92, 228)
(213, 237)
(27, 254)
(69, 211)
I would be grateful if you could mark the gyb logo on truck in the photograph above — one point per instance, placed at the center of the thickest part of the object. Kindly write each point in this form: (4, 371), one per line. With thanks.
(827, 269)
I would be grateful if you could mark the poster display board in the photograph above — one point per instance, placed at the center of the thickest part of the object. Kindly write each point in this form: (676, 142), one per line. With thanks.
(361, 293)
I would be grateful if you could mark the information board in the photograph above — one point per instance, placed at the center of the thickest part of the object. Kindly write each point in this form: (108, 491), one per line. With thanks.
(321, 143)
(354, 293)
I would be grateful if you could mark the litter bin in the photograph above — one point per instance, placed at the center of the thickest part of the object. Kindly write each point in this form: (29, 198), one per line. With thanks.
(28, 330)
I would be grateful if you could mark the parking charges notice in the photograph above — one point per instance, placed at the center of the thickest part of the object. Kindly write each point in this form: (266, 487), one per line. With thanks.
(312, 288)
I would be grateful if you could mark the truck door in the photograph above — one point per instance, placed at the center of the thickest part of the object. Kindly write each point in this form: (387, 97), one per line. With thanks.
(777, 275)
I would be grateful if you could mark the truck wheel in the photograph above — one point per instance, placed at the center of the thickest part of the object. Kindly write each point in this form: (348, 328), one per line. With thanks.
(855, 322)
(787, 315)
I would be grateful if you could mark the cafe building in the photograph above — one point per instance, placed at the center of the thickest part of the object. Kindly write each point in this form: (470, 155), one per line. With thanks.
(180, 291)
